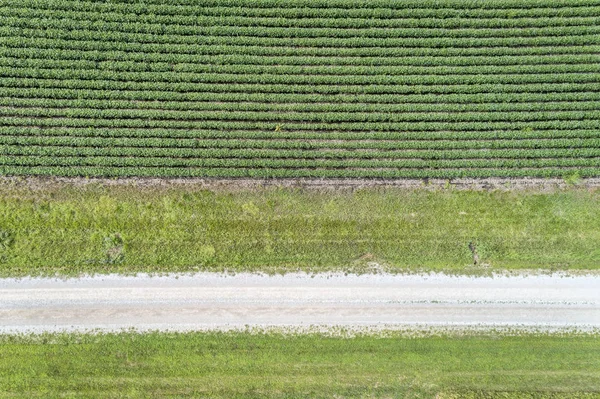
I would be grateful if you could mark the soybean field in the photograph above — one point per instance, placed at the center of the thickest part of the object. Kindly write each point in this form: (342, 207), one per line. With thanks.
(300, 88)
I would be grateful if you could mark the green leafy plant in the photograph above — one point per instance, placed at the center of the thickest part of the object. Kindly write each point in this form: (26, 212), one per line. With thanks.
(573, 178)
(306, 89)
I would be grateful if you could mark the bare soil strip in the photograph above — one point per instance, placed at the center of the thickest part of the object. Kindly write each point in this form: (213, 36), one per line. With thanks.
(208, 301)
(482, 184)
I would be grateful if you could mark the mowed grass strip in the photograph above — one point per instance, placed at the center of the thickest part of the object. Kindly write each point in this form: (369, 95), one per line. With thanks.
(68, 230)
(271, 365)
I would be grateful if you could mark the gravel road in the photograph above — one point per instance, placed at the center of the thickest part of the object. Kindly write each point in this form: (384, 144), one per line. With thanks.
(216, 301)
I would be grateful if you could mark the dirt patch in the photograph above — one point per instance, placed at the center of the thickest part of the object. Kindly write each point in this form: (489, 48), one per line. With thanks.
(487, 184)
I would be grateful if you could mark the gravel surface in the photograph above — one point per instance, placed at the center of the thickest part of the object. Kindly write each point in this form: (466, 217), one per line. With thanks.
(217, 301)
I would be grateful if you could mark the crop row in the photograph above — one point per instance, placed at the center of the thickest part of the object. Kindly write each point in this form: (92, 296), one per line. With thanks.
(132, 61)
(343, 8)
(295, 135)
(160, 33)
(292, 163)
(104, 142)
(293, 117)
(279, 108)
(332, 70)
(307, 89)
(281, 99)
(426, 154)
(120, 40)
(275, 79)
(341, 126)
(569, 45)
(293, 173)
(156, 23)
(250, 119)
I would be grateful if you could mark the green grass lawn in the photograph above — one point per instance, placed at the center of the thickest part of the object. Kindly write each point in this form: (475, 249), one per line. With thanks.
(271, 365)
(98, 229)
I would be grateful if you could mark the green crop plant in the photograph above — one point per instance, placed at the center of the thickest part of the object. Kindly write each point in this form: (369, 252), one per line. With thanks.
(369, 89)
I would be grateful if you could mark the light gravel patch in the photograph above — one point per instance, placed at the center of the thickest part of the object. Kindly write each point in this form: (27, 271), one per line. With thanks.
(211, 301)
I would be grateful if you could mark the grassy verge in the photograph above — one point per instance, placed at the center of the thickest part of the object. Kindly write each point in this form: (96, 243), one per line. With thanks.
(100, 229)
(270, 365)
